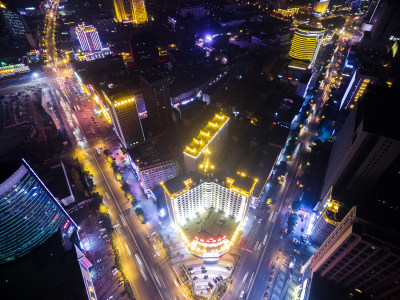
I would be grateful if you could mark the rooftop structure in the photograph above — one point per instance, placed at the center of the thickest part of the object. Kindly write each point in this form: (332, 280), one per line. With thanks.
(128, 11)
(212, 137)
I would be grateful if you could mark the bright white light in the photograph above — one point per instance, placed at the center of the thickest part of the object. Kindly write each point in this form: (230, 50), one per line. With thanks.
(310, 225)
(208, 38)
(35, 75)
(162, 213)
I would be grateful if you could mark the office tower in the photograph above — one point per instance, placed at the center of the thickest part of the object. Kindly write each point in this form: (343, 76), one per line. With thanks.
(124, 115)
(157, 98)
(185, 35)
(130, 11)
(328, 218)
(13, 22)
(387, 21)
(139, 11)
(29, 212)
(360, 257)
(144, 49)
(211, 139)
(152, 174)
(359, 81)
(321, 6)
(88, 38)
(207, 213)
(366, 145)
(306, 43)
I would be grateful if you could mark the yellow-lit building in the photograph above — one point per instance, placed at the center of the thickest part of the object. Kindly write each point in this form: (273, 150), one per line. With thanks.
(130, 11)
(208, 212)
(212, 137)
(321, 6)
(306, 43)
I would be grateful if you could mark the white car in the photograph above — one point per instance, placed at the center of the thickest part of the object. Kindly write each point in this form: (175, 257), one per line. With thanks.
(99, 260)
(241, 294)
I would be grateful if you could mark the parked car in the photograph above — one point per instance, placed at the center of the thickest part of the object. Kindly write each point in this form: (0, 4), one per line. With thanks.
(203, 271)
(205, 276)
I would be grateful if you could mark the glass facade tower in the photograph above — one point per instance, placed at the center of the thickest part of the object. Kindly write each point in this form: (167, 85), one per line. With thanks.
(29, 214)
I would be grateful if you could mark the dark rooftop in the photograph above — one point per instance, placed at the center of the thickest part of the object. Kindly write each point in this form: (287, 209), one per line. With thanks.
(8, 168)
(49, 272)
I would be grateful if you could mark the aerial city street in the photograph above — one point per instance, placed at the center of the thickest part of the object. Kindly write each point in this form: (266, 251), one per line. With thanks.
(199, 149)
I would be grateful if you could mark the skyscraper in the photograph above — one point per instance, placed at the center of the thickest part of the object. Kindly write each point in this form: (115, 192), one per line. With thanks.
(185, 34)
(130, 11)
(306, 43)
(29, 212)
(360, 257)
(88, 38)
(157, 97)
(387, 21)
(14, 23)
(366, 145)
(125, 117)
(144, 49)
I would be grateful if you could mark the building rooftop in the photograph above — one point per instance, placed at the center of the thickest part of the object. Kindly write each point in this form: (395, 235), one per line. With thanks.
(206, 135)
(210, 226)
(241, 183)
(48, 271)
(310, 29)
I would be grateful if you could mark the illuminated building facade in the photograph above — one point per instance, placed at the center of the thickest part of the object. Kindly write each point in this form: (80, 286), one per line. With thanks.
(212, 137)
(11, 70)
(208, 214)
(357, 87)
(14, 23)
(128, 11)
(125, 118)
(360, 257)
(321, 6)
(306, 43)
(30, 214)
(88, 38)
(328, 217)
(155, 173)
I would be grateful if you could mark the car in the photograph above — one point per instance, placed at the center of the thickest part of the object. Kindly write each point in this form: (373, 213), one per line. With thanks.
(205, 276)
(105, 236)
(189, 269)
(220, 277)
(101, 268)
(266, 294)
(210, 285)
(120, 282)
(195, 277)
(111, 297)
(102, 229)
(203, 271)
(108, 243)
(277, 259)
(215, 280)
(274, 267)
(241, 294)
(114, 272)
(99, 260)
(297, 252)
(259, 220)
(203, 268)
(280, 250)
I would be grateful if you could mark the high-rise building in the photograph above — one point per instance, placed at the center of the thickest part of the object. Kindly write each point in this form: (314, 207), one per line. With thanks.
(30, 214)
(185, 35)
(196, 12)
(359, 81)
(157, 98)
(14, 23)
(306, 43)
(328, 218)
(211, 139)
(208, 212)
(144, 49)
(139, 11)
(366, 145)
(88, 38)
(360, 257)
(387, 21)
(130, 11)
(125, 117)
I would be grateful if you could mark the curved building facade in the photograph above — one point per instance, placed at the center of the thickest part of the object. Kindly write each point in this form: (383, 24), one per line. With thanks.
(306, 43)
(29, 214)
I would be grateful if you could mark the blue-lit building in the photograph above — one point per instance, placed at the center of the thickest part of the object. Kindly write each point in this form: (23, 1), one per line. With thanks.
(29, 213)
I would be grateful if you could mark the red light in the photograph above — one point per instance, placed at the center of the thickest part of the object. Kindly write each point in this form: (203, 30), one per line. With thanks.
(56, 217)
(66, 224)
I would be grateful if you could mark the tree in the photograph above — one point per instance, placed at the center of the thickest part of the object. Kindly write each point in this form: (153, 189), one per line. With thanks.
(291, 222)
(296, 205)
